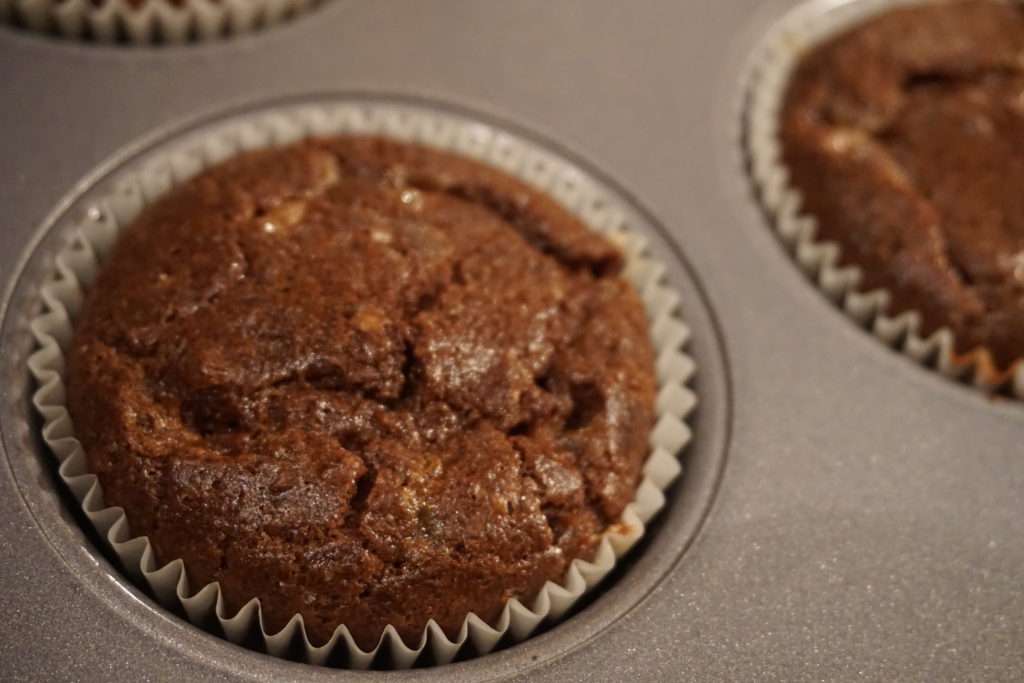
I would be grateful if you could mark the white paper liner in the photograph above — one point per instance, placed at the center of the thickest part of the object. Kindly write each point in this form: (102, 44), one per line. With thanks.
(774, 60)
(93, 235)
(154, 21)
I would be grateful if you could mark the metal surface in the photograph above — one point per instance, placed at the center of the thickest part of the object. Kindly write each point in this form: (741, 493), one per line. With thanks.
(868, 523)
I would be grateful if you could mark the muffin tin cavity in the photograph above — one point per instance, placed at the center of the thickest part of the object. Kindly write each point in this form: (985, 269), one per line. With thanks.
(78, 238)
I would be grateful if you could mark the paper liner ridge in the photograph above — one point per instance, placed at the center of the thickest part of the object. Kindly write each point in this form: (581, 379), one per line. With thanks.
(153, 20)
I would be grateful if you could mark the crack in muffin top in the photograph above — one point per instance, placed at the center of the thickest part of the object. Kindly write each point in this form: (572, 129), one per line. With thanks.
(365, 382)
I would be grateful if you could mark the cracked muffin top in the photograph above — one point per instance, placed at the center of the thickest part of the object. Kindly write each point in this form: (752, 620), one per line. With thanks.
(905, 137)
(365, 382)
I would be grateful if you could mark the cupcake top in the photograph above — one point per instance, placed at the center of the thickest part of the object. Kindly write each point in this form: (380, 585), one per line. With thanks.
(905, 138)
(365, 382)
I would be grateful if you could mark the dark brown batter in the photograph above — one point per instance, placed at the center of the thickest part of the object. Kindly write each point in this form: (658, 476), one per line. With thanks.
(905, 136)
(365, 382)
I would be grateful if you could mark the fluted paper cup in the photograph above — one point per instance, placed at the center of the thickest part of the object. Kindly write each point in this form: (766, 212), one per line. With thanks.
(78, 262)
(149, 21)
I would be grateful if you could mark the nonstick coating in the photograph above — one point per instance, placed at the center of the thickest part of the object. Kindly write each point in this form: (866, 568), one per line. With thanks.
(867, 521)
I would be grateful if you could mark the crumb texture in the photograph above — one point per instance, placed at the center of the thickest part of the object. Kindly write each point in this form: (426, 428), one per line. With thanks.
(366, 382)
(905, 137)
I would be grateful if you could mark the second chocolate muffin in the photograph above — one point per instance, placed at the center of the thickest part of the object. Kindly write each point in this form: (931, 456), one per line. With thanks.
(365, 382)
(905, 138)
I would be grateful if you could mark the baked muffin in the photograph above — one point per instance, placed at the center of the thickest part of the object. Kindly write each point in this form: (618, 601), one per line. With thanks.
(365, 382)
(905, 138)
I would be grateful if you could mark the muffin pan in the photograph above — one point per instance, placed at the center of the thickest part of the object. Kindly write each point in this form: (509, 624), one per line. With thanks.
(865, 519)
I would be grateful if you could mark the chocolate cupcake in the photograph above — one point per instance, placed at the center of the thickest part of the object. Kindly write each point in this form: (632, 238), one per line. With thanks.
(903, 138)
(361, 390)
(366, 383)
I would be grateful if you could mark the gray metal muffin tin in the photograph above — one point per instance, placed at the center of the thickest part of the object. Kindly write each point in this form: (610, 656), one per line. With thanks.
(844, 514)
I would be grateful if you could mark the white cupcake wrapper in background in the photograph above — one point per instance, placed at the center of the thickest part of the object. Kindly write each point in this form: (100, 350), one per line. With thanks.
(95, 233)
(776, 57)
(154, 21)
